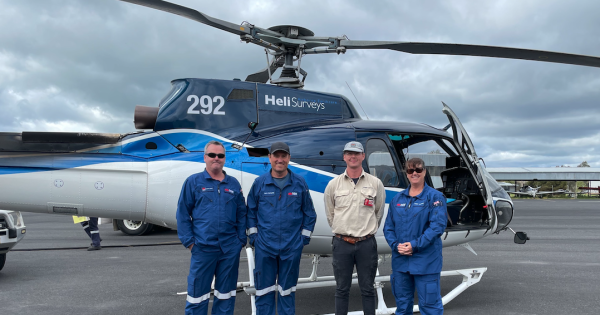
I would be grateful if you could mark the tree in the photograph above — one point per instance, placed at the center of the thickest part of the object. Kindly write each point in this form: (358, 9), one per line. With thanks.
(583, 164)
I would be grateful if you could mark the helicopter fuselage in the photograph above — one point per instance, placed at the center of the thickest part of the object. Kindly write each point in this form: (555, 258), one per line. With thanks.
(139, 176)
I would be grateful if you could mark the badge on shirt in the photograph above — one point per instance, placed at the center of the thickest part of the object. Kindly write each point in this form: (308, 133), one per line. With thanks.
(269, 193)
(227, 190)
(293, 194)
(205, 189)
(369, 202)
(400, 205)
(437, 203)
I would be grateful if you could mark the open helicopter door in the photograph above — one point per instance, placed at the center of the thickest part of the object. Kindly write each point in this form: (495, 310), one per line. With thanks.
(467, 152)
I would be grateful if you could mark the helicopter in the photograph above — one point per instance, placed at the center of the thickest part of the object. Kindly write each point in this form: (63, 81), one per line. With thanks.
(138, 176)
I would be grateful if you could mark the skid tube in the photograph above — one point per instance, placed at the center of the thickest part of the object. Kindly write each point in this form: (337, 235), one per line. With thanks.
(470, 277)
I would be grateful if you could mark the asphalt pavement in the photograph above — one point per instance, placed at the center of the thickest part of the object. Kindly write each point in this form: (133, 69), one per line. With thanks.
(556, 272)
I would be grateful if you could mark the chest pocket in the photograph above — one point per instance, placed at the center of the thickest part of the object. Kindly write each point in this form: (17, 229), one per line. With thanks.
(206, 196)
(342, 199)
(228, 198)
(368, 193)
(230, 206)
(205, 201)
(293, 198)
(268, 198)
(417, 211)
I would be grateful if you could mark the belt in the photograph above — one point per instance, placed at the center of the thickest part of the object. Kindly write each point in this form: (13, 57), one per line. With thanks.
(352, 239)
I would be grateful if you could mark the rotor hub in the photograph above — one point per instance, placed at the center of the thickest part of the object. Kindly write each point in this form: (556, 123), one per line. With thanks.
(291, 31)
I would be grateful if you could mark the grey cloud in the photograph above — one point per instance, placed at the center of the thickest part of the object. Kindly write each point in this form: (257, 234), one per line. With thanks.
(109, 56)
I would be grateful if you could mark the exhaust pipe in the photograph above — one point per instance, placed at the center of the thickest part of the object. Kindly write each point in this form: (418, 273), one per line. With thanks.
(144, 117)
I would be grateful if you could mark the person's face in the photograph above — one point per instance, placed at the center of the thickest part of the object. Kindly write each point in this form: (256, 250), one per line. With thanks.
(214, 164)
(279, 160)
(353, 159)
(416, 178)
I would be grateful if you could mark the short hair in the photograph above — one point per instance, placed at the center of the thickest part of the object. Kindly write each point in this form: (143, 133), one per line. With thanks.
(414, 162)
(213, 142)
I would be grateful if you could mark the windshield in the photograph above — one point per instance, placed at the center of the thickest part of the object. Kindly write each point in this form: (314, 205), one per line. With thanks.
(497, 190)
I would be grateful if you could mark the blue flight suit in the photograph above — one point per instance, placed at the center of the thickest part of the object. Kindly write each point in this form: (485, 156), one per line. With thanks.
(211, 214)
(420, 220)
(280, 223)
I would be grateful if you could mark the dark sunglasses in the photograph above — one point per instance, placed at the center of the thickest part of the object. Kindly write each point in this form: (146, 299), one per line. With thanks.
(214, 155)
(419, 170)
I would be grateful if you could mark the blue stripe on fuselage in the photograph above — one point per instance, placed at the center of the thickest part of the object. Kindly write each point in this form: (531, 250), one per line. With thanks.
(241, 161)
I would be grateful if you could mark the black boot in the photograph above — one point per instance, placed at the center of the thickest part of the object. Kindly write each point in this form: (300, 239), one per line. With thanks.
(92, 247)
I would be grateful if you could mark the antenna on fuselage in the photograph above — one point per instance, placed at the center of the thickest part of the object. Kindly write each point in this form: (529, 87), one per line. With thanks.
(252, 125)
(356, 98)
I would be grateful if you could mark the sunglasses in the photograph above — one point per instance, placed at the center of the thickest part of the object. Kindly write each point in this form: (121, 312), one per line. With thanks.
(419, 170)
(214, 155)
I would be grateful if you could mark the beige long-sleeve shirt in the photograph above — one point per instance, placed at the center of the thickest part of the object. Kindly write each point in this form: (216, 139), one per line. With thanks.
(347, 211)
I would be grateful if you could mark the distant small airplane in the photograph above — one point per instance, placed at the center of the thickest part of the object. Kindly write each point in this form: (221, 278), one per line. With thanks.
(533, 192)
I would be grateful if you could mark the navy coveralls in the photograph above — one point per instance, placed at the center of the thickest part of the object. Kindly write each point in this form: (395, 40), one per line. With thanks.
(91, 229)
(211, 214)
(420, 220)
(280, 223)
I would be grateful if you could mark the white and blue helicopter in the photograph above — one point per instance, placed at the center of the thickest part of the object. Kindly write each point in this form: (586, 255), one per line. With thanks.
(136, 178)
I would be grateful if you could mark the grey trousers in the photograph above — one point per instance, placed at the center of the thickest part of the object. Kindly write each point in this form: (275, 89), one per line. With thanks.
(363, 254)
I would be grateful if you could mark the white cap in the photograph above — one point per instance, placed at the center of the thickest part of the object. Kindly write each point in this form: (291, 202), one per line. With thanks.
(354, 146)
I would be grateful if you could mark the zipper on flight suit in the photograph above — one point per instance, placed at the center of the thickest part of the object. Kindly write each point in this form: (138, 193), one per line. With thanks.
(219, 206)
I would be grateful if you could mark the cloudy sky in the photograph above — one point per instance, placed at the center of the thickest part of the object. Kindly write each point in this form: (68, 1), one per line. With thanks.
(83, 65)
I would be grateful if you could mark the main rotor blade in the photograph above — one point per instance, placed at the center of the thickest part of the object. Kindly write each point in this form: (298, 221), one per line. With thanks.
(474, 50)
(192, 14)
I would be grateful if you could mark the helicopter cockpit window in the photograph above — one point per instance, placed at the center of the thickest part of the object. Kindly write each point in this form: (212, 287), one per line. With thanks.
(380, 163)
(434, 151)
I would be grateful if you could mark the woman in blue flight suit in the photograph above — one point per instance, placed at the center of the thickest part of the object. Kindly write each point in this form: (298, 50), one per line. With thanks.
(416, 219)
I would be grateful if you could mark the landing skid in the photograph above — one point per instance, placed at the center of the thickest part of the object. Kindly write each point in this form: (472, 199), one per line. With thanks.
(470, 277)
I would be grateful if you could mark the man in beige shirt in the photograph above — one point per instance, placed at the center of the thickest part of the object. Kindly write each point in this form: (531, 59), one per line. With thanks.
(354, 203)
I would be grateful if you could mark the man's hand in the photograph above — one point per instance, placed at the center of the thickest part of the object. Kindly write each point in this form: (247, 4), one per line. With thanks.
(191, 246)
(405, 249)
(305, 240)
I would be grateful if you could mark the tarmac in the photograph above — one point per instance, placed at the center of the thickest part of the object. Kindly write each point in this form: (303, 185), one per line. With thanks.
(556, 272)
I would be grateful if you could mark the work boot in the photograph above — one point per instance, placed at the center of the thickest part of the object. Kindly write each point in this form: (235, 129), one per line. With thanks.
(92, 244)
(92, 247)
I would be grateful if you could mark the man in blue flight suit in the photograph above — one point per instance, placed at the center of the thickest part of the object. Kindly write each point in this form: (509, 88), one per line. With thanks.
(211, 223)
(281, 218)
(416, 219)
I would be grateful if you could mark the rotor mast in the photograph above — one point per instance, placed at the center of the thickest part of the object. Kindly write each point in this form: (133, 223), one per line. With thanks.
(287, 48)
